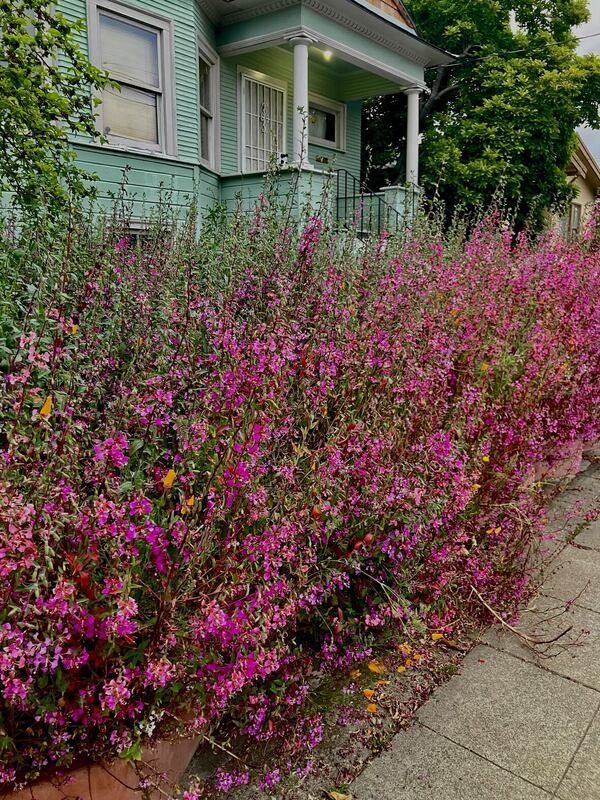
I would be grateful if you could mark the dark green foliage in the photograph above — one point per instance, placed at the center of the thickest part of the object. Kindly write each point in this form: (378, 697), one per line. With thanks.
(46, 88)
(504, 117)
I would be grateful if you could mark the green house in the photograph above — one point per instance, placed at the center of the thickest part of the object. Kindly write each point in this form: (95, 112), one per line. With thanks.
(214, 91)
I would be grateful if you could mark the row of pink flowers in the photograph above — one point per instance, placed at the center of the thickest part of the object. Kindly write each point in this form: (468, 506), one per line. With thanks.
(212, 489)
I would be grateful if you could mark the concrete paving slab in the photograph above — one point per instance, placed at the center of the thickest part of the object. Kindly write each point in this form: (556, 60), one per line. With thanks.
(592, 452)
(575, 575)
(575, 655)
(590, 535)
(582, 781)
(584, 476)
(568, 511)
(514, 714)
(422, 765)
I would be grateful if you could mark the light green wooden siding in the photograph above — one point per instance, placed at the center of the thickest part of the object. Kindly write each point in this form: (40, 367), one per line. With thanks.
(209, 188)
(277, 63)
(245, 190)
(147, 179)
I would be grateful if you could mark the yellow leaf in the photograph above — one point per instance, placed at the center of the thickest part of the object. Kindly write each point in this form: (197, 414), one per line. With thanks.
(485, 367)
(185, 509)
(169, 479)
(339, 796)
(377, 667)
(382, 683)
(74, 329)
(356, 673)
(401, 670)
(46, 409)
(417, 656)
(369, 694)
(372, 708)
(476, 487)
(486, 459)
(437, 636)
(405, 649)
(408, 663)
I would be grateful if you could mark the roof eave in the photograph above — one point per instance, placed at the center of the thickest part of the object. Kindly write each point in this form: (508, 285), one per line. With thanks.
(436, 56)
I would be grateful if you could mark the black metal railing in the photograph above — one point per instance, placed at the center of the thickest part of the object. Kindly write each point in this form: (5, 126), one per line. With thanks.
(368, 213)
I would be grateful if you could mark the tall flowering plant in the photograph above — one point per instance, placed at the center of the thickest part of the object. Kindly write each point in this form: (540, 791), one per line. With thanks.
(227, 465)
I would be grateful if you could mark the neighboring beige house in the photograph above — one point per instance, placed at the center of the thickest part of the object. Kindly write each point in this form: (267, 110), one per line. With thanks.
(583, 172)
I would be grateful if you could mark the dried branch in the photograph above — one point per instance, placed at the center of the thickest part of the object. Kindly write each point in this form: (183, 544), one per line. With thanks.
(531, 641)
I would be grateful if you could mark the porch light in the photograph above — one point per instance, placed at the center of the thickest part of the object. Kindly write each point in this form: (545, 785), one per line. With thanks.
(327, 55)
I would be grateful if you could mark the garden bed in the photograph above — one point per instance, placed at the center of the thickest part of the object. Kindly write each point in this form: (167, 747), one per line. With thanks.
(231, 466)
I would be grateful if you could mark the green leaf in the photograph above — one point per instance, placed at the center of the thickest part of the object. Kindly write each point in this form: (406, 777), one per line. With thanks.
(132, 753)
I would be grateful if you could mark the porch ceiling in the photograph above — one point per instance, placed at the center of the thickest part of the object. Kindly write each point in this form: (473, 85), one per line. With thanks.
(354, 82)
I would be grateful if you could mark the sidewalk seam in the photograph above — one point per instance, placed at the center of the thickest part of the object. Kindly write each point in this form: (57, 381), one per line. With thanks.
(488, 760)
(542, 668)
(575, 605)
(581, 741)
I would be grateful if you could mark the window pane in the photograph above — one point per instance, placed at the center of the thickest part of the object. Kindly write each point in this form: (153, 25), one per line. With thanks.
(129, 53)
(322, 124)
(205, 132)
(131, 114)
(205, 93)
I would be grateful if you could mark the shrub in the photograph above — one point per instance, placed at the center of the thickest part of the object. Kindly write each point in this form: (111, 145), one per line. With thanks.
(227, 466)
(45, 85)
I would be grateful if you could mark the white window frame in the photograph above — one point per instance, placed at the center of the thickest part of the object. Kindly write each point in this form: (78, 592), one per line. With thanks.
(166, 117)
(210, 57)
(332, 107)
(273, 83)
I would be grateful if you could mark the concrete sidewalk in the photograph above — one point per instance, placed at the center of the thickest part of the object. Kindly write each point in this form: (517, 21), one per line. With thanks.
(513, 725)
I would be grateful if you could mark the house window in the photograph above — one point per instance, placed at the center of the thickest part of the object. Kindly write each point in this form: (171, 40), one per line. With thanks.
(135, 49)
(263, 109)
(327, 123)
(208, 95)
(575, 219)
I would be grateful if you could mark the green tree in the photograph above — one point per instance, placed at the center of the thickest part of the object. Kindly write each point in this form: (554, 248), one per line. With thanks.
(501, 115)
(47, 87)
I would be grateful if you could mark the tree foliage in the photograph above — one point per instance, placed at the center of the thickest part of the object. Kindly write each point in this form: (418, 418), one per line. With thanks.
(46, 90)
(502, 114)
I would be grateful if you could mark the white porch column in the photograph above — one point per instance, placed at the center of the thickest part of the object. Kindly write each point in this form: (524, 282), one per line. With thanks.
(300, 130)
(412, 136)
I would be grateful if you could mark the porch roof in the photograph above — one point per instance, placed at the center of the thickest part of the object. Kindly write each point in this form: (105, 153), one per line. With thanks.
(360, 31)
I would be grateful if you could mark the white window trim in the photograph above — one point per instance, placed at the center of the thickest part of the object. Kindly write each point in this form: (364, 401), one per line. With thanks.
(167, 120)
(268, 81)
(334, 107)
(211, 57)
